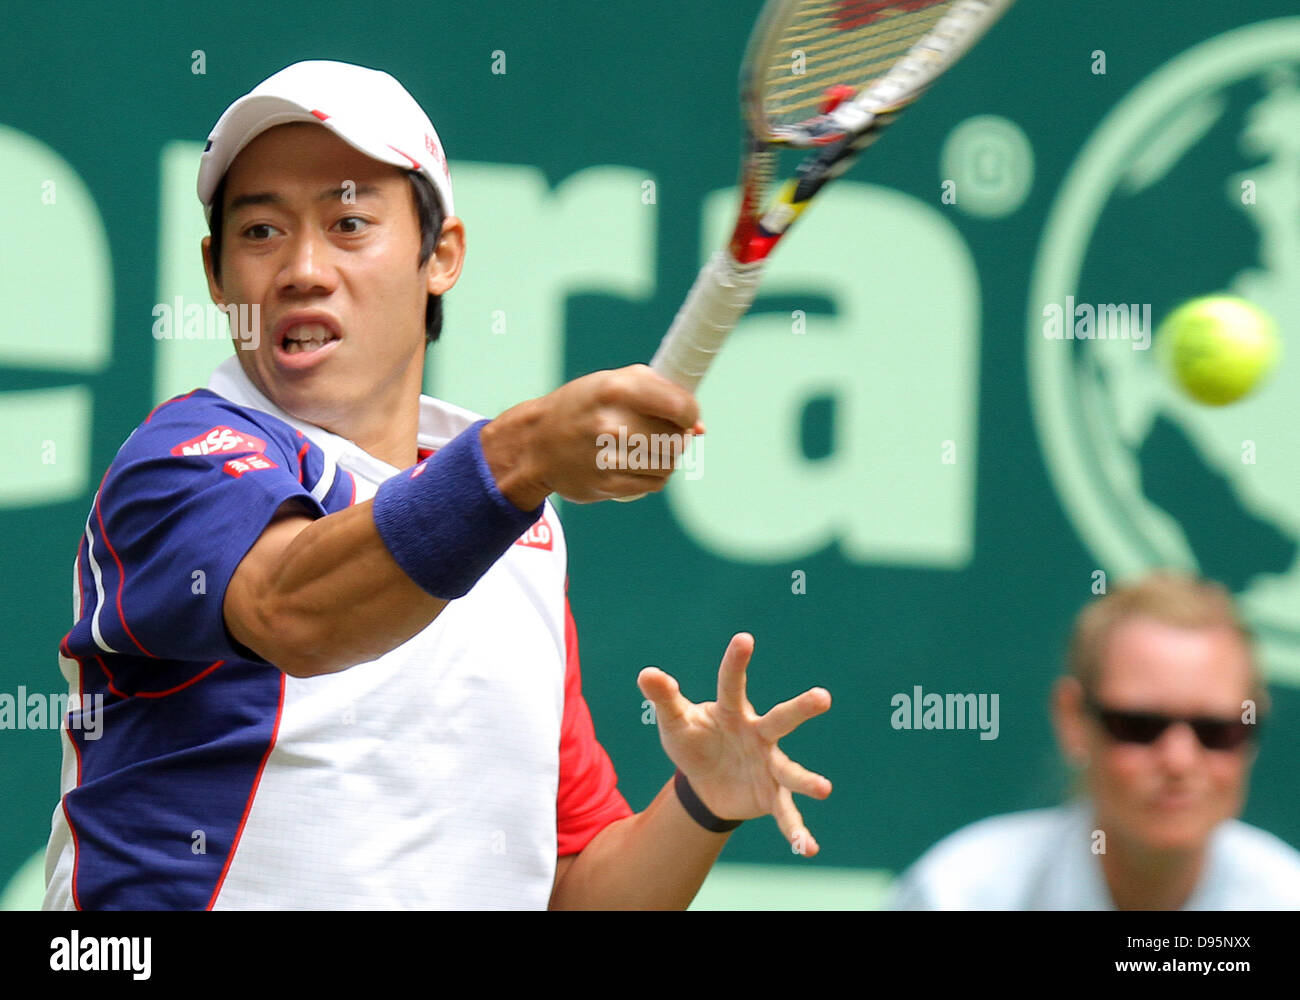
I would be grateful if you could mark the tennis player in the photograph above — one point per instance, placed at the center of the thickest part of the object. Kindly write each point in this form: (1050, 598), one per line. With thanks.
(328, 614)
(1159, 711)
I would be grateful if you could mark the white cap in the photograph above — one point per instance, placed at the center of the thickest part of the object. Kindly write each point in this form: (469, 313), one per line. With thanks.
(366, 108)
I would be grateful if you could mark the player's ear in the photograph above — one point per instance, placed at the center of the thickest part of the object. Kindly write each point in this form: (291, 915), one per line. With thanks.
(448, 256)
(214, 285)
(1069, 719)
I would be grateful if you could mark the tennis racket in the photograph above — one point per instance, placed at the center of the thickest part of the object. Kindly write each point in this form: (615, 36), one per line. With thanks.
(822, 75)
(826, 76)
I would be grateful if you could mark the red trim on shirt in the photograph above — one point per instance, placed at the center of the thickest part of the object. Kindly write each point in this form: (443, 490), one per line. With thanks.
(121, 573)
(302, 453)
(252, 794)
(111, 685)
(76, 844)
(181, 686)
(588, 799)
(177, 399)
(112, 681)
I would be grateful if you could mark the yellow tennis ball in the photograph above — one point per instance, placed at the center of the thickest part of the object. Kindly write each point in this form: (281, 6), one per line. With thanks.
(1218, 348)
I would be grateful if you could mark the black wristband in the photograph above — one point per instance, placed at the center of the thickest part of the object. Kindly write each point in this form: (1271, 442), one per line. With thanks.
(698, 810)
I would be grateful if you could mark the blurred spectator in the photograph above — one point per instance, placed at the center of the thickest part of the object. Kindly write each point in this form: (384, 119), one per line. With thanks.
(1159, 711)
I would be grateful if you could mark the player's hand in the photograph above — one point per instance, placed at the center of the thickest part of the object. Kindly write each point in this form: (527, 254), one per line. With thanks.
(568, 441)
(729, 752)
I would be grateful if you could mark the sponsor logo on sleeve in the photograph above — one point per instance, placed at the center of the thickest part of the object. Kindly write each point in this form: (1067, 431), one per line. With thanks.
(249, 463)
(218, 441)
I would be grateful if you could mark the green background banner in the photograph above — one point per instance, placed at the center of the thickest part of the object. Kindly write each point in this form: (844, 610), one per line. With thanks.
(906, 483)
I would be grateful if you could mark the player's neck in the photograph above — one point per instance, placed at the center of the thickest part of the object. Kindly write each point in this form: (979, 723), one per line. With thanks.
(1142, 878)
(393, 438)
(387, 423)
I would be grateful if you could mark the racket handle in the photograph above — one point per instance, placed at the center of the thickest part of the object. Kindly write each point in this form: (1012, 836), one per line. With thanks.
(723, 292)
(721, 295)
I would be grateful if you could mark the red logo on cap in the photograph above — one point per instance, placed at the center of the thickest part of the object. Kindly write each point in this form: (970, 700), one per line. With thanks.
(436, 152)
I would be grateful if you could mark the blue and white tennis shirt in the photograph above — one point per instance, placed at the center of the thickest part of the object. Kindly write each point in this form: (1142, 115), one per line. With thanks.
(448, 773)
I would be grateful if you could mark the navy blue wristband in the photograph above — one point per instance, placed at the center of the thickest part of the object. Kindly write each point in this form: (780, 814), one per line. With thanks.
(445, 522)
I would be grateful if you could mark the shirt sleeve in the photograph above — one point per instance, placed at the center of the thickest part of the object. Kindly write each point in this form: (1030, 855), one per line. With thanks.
(184, 500)
(589, 799)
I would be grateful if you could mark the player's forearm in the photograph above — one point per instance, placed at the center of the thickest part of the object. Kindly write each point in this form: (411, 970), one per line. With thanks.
(333, 598)
(655, 860)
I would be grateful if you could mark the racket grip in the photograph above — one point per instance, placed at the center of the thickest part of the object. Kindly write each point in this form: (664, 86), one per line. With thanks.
(723, 292)
(721, 295)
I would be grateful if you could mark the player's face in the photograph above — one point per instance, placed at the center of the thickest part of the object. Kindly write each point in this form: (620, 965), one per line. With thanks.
(1170, 794)
(325, 241)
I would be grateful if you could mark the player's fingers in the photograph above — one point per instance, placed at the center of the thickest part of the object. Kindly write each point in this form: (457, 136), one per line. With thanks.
(630, 481)
(791, 825)
(785, 718)
(731, 674)
(667, 432)
(649, 393)
(631, 441)
(798, 778)
(618, 485)
(664, 691)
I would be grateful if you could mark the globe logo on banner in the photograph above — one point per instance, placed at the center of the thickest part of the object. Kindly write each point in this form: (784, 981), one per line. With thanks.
(1190, 186)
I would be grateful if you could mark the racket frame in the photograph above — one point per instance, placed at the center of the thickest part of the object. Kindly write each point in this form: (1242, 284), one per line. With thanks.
(841, 133)
(727, 284)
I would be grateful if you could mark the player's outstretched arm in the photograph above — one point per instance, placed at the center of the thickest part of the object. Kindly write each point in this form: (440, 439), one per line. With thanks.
(659, 858)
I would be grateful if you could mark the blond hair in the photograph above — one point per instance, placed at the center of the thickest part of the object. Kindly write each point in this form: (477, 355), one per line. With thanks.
(1168, 597)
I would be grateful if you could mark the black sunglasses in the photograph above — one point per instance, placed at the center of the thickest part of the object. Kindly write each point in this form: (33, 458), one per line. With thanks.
(1147, 727)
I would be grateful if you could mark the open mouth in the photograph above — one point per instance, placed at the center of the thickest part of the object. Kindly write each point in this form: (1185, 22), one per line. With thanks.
(305, 338)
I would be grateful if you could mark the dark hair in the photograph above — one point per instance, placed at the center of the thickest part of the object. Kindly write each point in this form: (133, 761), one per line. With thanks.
(427, 208)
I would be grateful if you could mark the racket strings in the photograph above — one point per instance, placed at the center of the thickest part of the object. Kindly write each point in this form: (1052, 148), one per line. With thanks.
(835, 55)
(849, 61)
(813, 21)
(849, 66)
